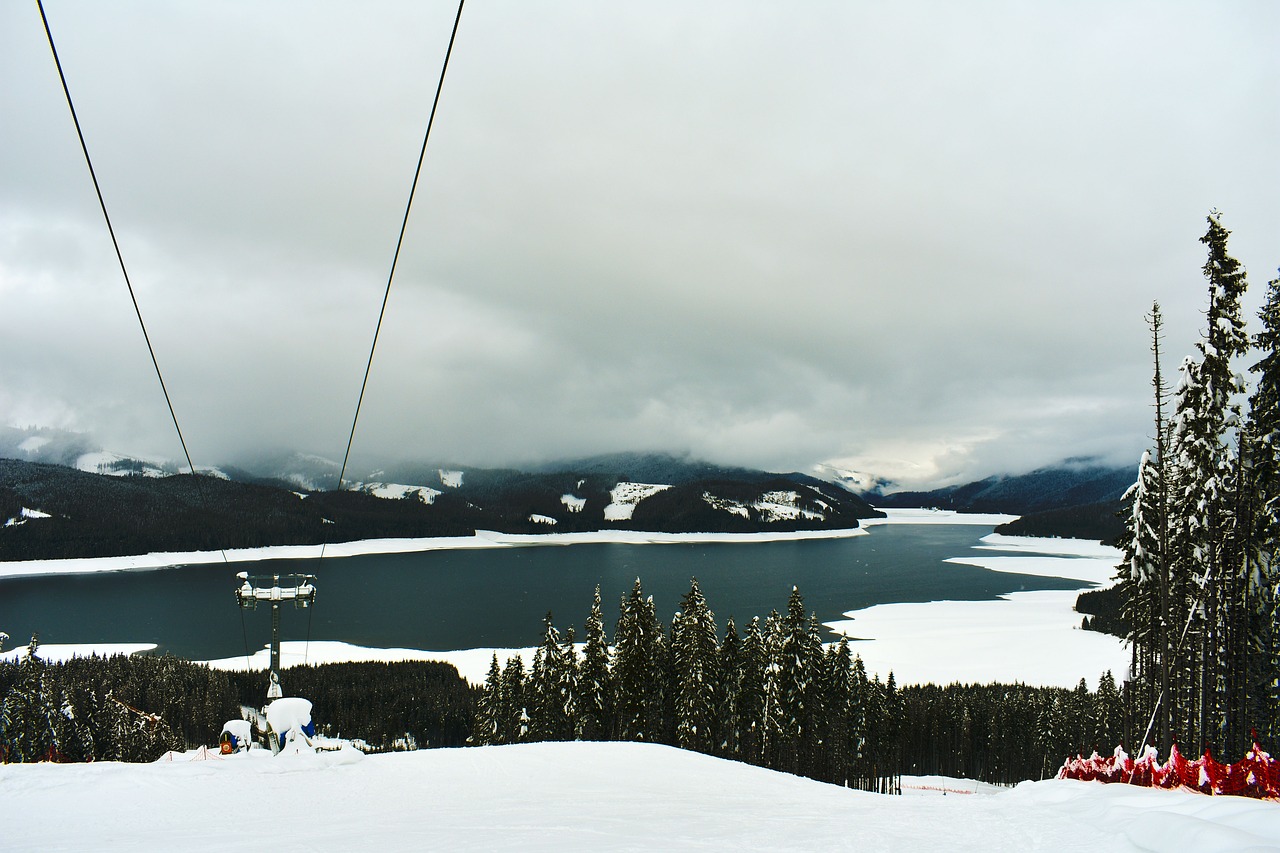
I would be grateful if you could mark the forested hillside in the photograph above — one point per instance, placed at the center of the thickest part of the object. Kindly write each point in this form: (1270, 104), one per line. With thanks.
(135, 708)
(772, 694)
(51, 511)
(1073, 483)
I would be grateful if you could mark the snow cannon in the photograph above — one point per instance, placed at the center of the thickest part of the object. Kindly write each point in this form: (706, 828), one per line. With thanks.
(237, 735)
(289, 725)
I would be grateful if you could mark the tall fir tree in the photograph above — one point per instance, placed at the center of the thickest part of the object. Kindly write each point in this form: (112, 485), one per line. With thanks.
(639, 669)
(595, 685)
(695, 652)
(1263, 569)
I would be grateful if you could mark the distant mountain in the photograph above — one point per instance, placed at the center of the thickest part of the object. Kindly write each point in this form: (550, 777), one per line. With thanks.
(1078, 498)
(1072, 483)
(55, 511)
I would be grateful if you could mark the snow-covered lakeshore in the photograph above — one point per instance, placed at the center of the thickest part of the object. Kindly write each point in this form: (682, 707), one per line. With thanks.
(589, 797)
(482, 539)
(1031, 637)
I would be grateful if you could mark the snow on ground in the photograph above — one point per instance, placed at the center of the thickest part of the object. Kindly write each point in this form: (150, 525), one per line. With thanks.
(1049, 545)
(625, 496)
(472, 664)
(1032, 637)
(726, 505)
(398, 491)
(24, 516)
(116, 465)
(34, 443)
(582, 797)
(59, 652)
(937, 516)
(572, 502)
(782, 505)
(450, 479)
(482, 539)
(1028, 637)
(537, 518)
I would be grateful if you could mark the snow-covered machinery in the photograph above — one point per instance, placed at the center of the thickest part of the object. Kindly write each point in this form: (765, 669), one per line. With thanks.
(289, 725)
(237, 736)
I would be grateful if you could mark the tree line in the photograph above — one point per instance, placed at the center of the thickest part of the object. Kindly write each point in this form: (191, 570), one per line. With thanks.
(777, 696)
(1200, 584)
(135, 708)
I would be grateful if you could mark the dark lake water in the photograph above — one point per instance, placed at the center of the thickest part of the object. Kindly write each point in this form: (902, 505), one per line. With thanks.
(497, 597)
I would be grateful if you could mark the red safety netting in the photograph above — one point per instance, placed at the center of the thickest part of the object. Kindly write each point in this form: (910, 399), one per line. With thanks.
(1255, 775)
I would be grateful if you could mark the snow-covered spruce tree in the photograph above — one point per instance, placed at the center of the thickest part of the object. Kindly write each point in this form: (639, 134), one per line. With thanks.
(513, 718)
(1263, 673)
(595, 686)
(797, 688)
(1108, 713)
(728, 716)
(26, 735)
(550, 689)
(695, 658)
(772, 727)
(1144, 575)
(567, 686)
(1207, 564)
(486, 728)
(838, 745)
(858, 724)
(752, 693)
(639, 669)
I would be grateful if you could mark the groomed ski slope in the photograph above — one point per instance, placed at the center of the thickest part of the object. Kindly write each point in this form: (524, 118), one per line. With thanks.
(582, 797)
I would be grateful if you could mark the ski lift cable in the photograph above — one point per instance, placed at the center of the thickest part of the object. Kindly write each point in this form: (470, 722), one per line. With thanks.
(84, 148)
(404, 222)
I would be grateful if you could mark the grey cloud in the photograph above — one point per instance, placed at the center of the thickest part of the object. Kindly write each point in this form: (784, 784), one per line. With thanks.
(769, 235)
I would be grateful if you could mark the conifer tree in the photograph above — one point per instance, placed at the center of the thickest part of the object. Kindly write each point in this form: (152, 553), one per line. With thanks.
(595, 686)
(551, 688)
(728, 712)
(752, 694)
(797, 687)
(1263, 569)
(695, 655)
(1207, 560)
(639, 670)
(513, 718)
(837, 695)
(486, 728)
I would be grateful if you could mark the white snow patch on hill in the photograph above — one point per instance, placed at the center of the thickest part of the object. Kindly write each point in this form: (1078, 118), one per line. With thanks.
(727, 505)
(542, 519)
(625, 496)
(24, 516)
(34, 443)
(451, 479)
(573, 503)
(783, 506)
(582, 797)
(399, 491)
(115, 465)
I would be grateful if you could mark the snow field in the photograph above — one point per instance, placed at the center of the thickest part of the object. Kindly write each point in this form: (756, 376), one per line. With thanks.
(1029, 637)
(582, 797)
(624, 497)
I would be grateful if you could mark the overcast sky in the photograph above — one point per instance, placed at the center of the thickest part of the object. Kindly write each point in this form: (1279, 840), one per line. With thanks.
(915, 238)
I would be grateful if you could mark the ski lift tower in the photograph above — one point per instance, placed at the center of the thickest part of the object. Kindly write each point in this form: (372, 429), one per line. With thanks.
(275, 590)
